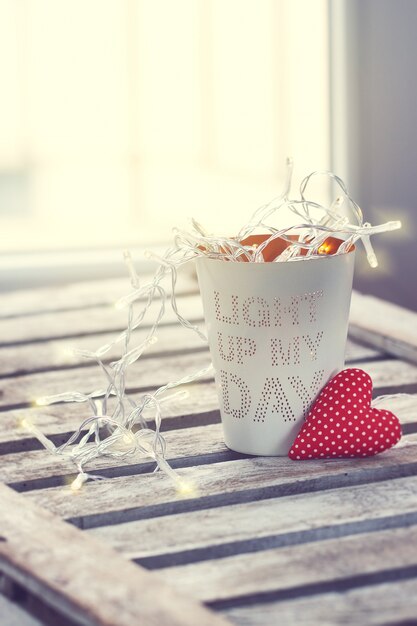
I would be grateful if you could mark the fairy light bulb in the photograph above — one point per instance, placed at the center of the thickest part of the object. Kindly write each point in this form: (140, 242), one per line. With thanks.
(33, 430)
(394, 225)
(78, 482)
(134, 278)
(324, 248)
(121, 304)
(370, 254)
(155, 257)
(186, 489)
(129, 439)
(24, 423)
(41, 401)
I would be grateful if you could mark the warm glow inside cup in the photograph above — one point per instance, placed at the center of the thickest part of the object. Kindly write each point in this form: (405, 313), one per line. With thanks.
(277, 333)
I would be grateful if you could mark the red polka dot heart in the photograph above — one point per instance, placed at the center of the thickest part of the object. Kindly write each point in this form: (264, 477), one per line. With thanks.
(342, 423)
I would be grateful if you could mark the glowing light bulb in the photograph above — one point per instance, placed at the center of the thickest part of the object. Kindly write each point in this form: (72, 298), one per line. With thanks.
(324, 248)
(78, 482)
(395, 225)
(186, 489)
(42, 401)
(24, 423)
(120, 304)
(129, 439)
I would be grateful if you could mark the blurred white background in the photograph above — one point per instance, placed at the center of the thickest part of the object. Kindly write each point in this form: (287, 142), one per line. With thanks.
(119, 119)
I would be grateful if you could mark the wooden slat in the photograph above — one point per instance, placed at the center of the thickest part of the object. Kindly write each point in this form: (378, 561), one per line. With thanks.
(383, 325)
(12, 615)
(81, 295)
(255, 532)
(199, 406)
(197, 442)
(260, 525)
(58, 354)
(60, 298)
(145, 374)
(151, 373)
(390, 603)
(55, 354)
(82, 578)
(98, 319)
(130, 497)
(313, 568)
(187, 445)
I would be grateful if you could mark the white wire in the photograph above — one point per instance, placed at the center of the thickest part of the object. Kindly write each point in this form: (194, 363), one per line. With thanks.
(123, 430)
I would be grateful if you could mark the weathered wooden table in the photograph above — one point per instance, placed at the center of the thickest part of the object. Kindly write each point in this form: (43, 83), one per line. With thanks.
(265, 541)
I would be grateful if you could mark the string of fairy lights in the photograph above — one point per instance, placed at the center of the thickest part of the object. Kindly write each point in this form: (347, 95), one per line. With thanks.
(115, 425)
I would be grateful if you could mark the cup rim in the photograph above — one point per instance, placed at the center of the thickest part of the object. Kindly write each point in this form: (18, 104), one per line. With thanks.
(258, 239)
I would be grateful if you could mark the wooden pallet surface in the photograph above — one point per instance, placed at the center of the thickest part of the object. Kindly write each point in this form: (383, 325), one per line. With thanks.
(259, 540)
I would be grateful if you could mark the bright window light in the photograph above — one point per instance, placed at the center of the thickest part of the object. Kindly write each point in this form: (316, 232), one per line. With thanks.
(121, 118)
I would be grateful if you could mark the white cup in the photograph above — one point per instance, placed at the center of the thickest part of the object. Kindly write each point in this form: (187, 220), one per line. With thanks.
(277, 334)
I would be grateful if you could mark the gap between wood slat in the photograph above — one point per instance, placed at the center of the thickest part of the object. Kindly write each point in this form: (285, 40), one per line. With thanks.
(11, 614)
(32, 609)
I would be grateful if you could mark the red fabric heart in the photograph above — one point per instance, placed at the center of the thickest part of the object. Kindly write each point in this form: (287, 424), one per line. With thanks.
(342, 423)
